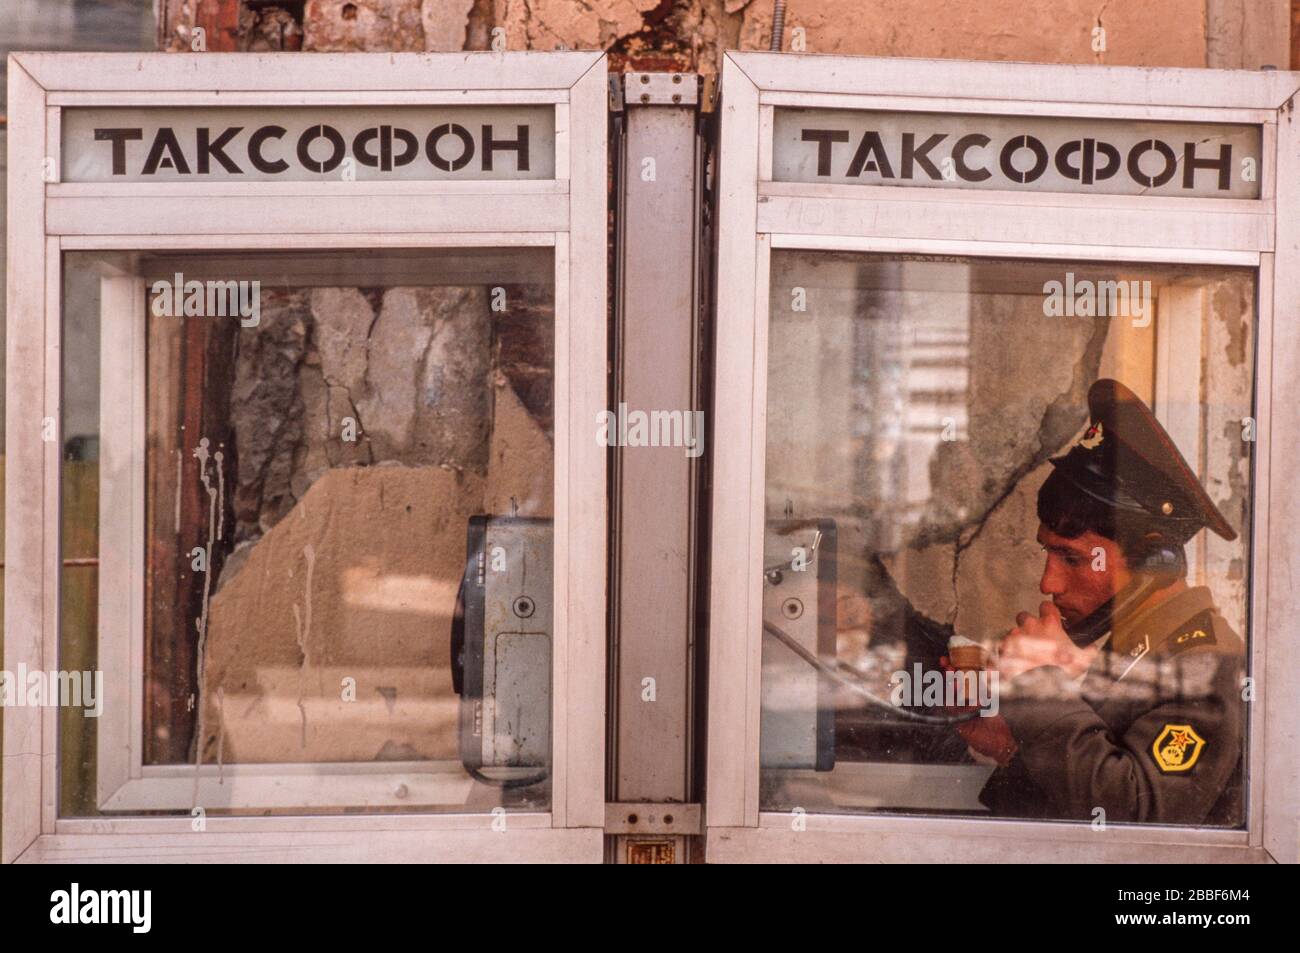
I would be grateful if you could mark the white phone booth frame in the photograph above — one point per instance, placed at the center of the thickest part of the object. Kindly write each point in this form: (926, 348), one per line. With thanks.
(758, 214)
(48, 217)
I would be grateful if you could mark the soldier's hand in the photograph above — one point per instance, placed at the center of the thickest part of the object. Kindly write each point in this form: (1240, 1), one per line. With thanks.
(990, 737)
(1039, 641)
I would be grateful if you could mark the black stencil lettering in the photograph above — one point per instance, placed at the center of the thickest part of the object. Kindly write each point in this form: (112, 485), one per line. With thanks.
(119, 138)
(260, 162)
(871, 157)
(1015, 145)
(1135, 156)
(1223, 163)
(330, 134)
(466, 140)
(519, 144)
(213, 149)
(964, 172)
(164, 141)
(824, 138)
(921, 156)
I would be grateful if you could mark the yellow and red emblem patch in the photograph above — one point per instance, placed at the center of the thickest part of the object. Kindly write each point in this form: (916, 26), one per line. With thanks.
(1177, 747)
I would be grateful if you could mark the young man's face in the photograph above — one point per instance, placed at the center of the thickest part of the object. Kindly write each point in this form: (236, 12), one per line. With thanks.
(1081, 573)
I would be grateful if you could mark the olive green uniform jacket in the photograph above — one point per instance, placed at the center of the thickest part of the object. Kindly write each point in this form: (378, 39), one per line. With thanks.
(1153, 733)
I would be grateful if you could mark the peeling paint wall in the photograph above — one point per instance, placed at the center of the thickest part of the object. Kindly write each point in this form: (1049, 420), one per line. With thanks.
(692, 34)
(1150, 33)
(348, 552)
(358, 582)
(1227, 383)
(407, 366)
(386, 25)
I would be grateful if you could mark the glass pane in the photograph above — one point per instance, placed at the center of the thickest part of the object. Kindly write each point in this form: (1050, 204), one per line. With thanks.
(307, 525)
(917, 407)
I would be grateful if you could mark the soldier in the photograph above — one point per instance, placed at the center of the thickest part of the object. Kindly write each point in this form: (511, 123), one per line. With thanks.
(1126, 692)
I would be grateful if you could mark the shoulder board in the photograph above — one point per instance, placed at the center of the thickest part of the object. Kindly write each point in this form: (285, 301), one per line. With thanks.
(1195, 632)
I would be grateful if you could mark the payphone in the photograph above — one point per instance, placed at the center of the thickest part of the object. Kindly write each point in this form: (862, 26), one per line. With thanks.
(501, 650)
(798, 727)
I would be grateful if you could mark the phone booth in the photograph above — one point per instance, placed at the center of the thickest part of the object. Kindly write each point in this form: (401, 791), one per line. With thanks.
(931, 276)
(304, 514)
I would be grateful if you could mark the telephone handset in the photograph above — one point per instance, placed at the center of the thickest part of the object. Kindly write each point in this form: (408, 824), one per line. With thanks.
(800, 668)
(1158, 569)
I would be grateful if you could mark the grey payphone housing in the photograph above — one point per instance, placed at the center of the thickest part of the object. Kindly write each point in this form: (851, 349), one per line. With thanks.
(501, 650)
(798, 724)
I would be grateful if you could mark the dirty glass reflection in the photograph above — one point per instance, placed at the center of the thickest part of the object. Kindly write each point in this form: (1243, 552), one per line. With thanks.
(345, 461)
(939, 636)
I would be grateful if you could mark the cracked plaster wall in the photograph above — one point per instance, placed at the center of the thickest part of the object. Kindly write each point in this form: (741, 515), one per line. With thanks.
(348, 553)
(357, 582)
(1149, 33)
(692, 34)
(952, 518)
(409, 366)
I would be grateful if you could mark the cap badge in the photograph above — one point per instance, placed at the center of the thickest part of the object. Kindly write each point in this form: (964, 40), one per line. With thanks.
(1092, 437)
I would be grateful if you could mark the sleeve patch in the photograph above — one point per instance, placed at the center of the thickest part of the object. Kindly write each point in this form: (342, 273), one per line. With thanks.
(1176, 748)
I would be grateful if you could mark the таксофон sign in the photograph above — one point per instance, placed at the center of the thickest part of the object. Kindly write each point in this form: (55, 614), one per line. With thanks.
(297, 144)
(1017, 153)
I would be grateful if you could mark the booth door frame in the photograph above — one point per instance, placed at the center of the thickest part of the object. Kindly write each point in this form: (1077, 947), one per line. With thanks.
(757, 214)
(48, 217)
